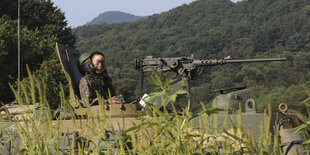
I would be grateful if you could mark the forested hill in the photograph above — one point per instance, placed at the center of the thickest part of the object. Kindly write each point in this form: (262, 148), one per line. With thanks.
(111, 17)
(210, 29)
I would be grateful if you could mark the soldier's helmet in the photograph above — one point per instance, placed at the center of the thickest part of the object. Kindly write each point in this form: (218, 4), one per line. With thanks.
(85, 63)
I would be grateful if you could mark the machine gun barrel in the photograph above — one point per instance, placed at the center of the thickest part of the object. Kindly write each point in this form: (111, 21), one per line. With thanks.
(189, 67)
(212, 62)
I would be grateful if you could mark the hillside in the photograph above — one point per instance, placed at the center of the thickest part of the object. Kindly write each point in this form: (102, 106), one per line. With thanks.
(111, 17)
(214, 29)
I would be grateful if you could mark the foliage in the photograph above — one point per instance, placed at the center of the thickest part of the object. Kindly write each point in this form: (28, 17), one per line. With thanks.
(52, 76)
(215, 29)
(42, 25)
(156, 132)
(206, 28)
(306, 127)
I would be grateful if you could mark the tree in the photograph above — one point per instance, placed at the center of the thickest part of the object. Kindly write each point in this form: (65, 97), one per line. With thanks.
(42, 25)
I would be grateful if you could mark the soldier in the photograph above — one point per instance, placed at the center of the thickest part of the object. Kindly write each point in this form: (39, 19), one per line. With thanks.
(95, 78)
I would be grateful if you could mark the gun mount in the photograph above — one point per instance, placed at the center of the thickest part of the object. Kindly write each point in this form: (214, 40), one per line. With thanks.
(189, 67)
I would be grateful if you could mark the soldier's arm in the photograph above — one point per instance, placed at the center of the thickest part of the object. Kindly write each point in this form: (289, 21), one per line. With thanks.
(114, 99)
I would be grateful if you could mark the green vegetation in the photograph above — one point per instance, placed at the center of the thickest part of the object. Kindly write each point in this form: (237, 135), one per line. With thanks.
(306, 127)
(215, 29)
(157, 132)
(42, 25)
(206, 28)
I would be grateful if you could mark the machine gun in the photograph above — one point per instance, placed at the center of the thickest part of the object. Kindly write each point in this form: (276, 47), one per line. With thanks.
(189, 67)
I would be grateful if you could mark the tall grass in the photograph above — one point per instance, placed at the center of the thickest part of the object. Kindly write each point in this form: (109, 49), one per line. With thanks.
(305, 128)
(158, 131)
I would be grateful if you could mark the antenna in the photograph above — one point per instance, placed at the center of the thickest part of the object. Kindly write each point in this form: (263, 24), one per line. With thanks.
(18, 48)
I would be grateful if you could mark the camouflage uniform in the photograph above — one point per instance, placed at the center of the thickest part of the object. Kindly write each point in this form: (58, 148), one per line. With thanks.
(93, 82)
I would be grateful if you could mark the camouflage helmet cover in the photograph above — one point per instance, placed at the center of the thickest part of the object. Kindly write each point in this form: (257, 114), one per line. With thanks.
(85, 63)
(84, 56)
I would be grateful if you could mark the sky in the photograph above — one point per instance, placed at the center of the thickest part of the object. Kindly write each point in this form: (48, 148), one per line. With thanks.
(79, 12)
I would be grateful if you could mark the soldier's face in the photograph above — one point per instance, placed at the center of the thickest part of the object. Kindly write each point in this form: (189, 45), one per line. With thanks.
(98, 62)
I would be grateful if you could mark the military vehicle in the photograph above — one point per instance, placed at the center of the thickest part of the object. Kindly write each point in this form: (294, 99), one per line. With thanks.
(190, 68)
(232, 98)
(122, 115)
(283, 121)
